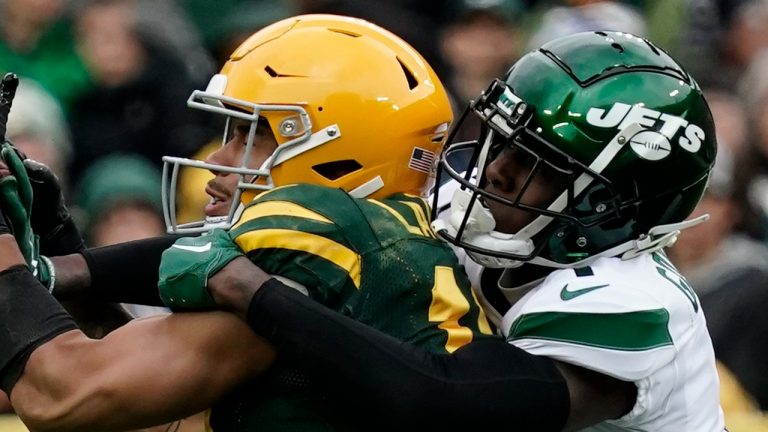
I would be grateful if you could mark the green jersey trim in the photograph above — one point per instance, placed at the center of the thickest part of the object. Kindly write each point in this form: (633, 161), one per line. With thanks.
(630, 331)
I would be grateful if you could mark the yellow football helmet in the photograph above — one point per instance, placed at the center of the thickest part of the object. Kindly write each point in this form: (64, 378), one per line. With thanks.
(350, 104)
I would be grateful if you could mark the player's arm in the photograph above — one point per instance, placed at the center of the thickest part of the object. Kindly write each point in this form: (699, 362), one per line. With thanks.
(481, 385)
(125, 273)
(148, 372)
(485, 383)
(121, 273)
(92, 282)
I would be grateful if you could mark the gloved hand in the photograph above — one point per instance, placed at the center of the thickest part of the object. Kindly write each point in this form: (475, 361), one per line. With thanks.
(187, 265)
(50, 216)
(16, 195)
(5, 225)
(16, 204)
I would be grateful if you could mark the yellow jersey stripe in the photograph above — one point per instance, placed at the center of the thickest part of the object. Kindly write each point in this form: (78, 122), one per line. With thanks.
(412, 229)
(279, 208)
(314, 244)
(418, 211)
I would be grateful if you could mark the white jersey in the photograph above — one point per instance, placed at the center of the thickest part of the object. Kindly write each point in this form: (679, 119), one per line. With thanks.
(635, 320)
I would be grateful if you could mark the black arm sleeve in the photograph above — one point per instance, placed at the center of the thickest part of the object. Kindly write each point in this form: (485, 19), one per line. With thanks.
(486, 383)
(29, 317)
(127, 272)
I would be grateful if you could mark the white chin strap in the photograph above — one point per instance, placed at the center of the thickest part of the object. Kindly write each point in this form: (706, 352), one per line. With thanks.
(479, 232)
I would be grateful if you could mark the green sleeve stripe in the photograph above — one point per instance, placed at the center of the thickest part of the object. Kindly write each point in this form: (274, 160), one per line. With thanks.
(630, 331)
(326, 281)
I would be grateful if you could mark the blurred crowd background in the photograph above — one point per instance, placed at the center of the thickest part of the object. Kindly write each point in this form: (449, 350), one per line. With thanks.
(105, 84)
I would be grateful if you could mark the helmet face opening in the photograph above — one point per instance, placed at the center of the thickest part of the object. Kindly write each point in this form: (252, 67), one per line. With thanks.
(596, 150)
(256, 123)
(547, 180)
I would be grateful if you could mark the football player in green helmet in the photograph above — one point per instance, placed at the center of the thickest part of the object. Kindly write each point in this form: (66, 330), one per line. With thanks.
(594, 150)
(610, 120)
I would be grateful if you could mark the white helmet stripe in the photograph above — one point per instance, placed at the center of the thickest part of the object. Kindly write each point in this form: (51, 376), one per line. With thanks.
(598, 165)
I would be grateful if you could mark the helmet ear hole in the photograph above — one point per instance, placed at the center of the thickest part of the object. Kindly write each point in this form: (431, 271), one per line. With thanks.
(337, 169)
(412, 82)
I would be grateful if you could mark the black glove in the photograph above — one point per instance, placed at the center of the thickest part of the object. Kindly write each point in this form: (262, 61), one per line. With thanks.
(50, 217)
(8, 86)
(16, 202)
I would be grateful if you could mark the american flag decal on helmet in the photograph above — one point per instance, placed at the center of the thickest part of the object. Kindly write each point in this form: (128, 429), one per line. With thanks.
(421, 160)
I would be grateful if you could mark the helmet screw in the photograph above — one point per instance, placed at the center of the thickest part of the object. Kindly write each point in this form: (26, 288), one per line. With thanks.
(332, 131)
(521, 108)
(600, 208)
(581, 242)
(288, 127)
(621, 139)
(560, 234)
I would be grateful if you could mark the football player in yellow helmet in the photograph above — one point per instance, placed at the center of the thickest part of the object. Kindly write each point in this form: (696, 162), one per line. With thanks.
(325, 108)
(333, 102)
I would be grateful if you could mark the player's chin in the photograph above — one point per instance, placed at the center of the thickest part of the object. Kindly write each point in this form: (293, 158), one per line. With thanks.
(509, 220)
(217, 208)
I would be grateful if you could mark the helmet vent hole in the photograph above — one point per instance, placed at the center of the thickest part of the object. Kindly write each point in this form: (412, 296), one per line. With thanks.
(412, 83)
(273, 73)
(601, 33)
(617, 47)
(337, 169)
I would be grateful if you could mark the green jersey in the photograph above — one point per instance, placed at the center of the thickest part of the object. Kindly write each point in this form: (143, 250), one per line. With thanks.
(377, 261)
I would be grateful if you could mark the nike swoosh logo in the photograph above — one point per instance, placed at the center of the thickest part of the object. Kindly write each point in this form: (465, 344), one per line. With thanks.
(199, 249)
(566, 294)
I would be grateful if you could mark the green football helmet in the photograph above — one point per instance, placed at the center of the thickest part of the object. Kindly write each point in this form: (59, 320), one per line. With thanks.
(618, 124)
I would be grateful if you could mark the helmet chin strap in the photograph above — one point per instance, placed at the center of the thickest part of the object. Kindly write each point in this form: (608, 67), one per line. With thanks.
(479, 232)
(660, 236)
(479, 228)
(657, 238)
(224, 221)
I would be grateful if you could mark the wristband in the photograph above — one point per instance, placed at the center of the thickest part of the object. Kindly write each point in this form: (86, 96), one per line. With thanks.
(51, 272)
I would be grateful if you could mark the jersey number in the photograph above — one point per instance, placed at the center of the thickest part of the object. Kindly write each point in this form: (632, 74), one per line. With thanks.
(449, 305)
(668, 272)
